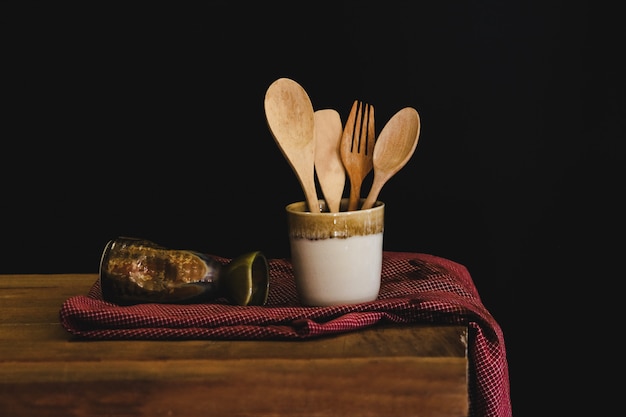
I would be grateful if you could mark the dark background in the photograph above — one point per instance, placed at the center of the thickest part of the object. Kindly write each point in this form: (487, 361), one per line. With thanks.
(147, 120)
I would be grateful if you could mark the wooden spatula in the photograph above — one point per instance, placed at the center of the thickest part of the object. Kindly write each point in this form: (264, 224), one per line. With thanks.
(330, 171)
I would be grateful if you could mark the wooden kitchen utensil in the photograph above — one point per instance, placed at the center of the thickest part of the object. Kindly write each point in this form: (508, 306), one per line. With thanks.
(290, 117)
(394, 147)
(330, 171)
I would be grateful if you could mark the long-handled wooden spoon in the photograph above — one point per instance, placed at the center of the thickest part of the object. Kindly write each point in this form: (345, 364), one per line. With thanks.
(394, 147)
(331, 173)
(290, 117)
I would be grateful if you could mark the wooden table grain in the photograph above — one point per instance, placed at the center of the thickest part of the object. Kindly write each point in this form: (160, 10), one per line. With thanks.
(381, 371)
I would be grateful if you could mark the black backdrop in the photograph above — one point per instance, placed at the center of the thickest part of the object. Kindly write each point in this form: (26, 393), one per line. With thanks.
(147, 120)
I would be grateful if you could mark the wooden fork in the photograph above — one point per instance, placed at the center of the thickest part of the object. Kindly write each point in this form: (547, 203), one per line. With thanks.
(357, 148)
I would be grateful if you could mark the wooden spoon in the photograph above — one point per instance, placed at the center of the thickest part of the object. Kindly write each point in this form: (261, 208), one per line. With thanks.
(394, 147)
(289, 114)
(328, 166)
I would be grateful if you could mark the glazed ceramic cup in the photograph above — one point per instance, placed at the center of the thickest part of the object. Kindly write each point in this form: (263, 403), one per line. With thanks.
(336, 257)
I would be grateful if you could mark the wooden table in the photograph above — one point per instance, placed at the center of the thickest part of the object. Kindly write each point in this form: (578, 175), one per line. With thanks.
(381, 371)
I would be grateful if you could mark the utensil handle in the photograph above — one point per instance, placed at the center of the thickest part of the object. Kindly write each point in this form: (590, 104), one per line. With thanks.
(373, 194)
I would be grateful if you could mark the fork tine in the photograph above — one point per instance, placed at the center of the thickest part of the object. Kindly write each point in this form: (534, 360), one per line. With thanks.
(358, 126)
(370, 137)
(350, 126)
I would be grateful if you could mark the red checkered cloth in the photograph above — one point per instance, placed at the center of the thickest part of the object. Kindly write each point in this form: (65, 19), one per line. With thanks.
(415, 288)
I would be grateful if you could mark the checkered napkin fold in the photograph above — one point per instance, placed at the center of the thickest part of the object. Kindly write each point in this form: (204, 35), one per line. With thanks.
(415, 288)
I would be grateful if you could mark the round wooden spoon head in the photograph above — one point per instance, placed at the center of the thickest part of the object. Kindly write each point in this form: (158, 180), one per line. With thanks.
(394, 147)
(328, 166)
(289, 115)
